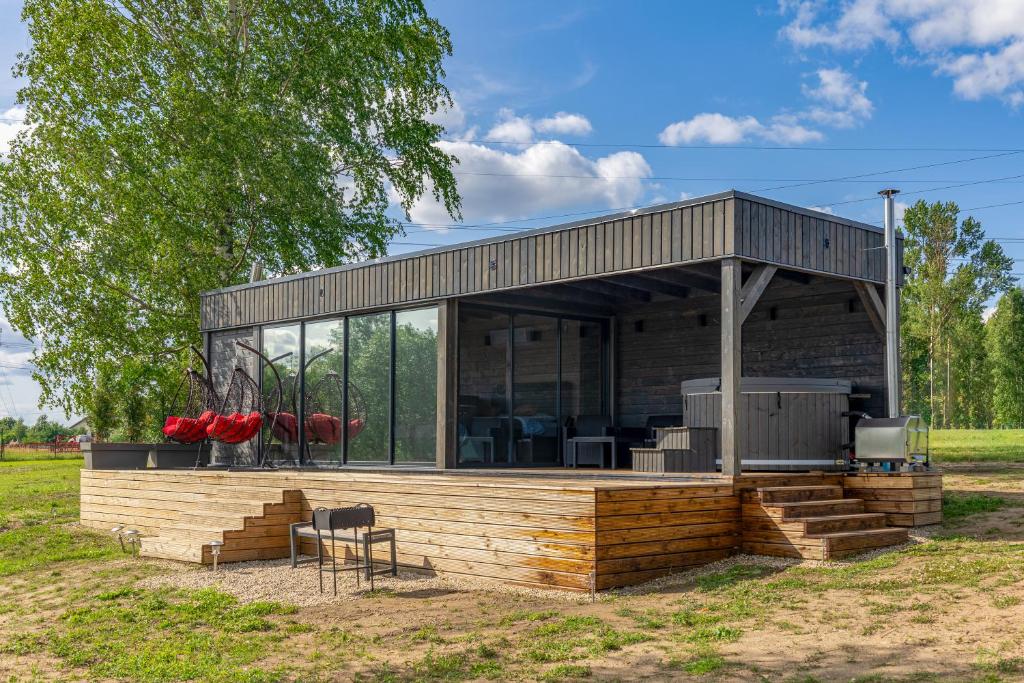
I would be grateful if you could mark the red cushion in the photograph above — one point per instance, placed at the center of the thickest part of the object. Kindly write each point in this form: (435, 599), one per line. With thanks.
(324, 428)
(284, 426)
(184, 430)
(355, 426)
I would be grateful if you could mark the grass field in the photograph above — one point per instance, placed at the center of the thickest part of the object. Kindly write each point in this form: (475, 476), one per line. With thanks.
(977, 445)
(72, 608)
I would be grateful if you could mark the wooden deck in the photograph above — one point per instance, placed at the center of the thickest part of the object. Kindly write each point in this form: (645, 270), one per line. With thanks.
(560, 529)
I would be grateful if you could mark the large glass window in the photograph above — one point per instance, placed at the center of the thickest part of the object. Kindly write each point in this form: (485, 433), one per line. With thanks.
(522, 377)
(369, 388)
(535, 425)
(483, 403)
(281, 393)
(416, 385)
(324, 407)
(583, 368)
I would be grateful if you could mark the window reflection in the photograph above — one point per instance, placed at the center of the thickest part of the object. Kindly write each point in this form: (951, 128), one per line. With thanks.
(280, 394)
(369, 395)
(325, 391)
(416, 385)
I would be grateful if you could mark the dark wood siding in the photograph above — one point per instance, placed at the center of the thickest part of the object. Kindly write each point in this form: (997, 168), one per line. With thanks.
(817, 332)
(728, 224)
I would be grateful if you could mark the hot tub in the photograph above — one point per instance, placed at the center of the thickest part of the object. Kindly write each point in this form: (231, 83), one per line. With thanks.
(785, 424)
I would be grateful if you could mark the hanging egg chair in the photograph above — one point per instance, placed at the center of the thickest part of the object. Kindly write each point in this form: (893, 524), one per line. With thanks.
(240, 416)
(284, 423)
(193, 407)
(322, 426)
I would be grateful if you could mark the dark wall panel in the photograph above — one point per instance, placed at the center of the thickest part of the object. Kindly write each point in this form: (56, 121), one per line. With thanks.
(818, 330)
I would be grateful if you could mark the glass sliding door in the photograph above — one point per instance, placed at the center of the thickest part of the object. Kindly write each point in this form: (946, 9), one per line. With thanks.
(324, 405)
(483, 387)
(369, 388)
(534, 423)
(281, 394)
(416, 386)
(583, 365)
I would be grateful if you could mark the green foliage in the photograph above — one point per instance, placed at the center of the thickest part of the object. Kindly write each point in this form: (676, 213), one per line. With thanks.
(100, 405)
(954, 270)
(170, 146)
(1006, 351)
(13, 429)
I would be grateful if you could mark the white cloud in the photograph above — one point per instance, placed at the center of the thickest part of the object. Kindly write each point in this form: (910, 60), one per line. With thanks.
(507, 185)
(513, 128)
(979, 43)
(823, 209)
(842, 100)
(12, 122)
(565, 123)
(838, 100)
(719, 129)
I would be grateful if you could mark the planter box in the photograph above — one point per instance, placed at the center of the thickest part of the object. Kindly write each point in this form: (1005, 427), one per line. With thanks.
(174, 455)
(115, 456)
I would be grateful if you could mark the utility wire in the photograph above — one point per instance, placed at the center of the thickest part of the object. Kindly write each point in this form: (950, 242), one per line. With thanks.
(762, 148)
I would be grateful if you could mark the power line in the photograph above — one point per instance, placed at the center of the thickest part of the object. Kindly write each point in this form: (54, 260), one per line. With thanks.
(762, 148)
(898, 170)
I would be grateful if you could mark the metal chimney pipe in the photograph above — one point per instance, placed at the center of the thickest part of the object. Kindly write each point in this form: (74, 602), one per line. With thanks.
(256, 272)
(892, 303)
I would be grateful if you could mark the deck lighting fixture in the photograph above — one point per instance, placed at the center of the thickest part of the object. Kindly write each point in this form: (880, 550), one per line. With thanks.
(131, 537)
(116, 531)
(215, 547)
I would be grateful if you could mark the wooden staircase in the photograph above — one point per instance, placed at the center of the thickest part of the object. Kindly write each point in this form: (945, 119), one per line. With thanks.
(251, 529)
(813, 522)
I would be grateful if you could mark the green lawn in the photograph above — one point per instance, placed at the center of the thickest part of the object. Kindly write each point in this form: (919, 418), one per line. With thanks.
(977, 445)
(71, 608)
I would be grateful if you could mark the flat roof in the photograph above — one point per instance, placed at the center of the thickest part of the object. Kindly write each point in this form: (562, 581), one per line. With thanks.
(728, 194)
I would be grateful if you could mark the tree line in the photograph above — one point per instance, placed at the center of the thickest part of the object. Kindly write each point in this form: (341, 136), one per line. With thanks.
(962, 363)
(16, 430)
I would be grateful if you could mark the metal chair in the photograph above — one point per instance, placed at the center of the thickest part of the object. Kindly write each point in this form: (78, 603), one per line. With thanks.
(329, 522)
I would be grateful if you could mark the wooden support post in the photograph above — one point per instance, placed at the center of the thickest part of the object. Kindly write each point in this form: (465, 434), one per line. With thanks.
(732, 364)
(752, 291)
(447, 383)
(872, 304)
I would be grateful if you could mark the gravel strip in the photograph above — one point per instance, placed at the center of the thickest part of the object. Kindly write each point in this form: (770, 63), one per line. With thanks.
(275, 580)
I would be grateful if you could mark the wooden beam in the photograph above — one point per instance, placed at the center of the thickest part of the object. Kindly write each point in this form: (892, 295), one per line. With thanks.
(872, 305)
(752, 291)
(687, 278)
(446, 452)
(540, 302)
(732, 364)
(610, 289)
(650, 284)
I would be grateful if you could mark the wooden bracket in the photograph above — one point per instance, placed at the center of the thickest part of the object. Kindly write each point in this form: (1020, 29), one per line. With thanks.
(752, 291)
(872, 304)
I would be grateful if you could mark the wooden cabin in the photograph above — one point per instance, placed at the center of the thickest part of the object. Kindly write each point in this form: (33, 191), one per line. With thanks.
(719, 340)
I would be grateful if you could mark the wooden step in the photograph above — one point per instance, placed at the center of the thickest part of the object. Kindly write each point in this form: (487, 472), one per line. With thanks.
(815, 508)
(846, 543)
(793, 494)
(171, 549)
(839, 523)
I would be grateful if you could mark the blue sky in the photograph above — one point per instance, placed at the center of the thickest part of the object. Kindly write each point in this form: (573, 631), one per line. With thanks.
(567, 109)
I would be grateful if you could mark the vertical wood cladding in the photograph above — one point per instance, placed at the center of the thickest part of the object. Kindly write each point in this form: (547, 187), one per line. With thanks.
(814, 333)
(722, 225)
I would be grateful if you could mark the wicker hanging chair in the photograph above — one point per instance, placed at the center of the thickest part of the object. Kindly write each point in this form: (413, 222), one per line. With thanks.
(240, 416)
(193, 406)
(323, 427)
